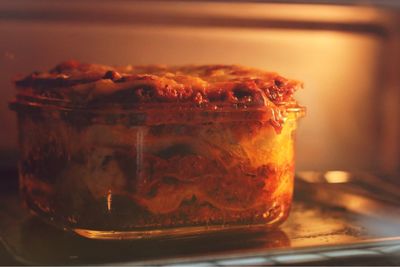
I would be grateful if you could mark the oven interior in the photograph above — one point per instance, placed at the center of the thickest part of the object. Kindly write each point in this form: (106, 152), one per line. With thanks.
(346, 54)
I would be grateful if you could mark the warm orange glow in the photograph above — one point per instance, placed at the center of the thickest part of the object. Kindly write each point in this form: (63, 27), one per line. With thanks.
(336, 177)
(109, 200)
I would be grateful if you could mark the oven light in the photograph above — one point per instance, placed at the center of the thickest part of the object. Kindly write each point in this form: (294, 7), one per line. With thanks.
(336, 177)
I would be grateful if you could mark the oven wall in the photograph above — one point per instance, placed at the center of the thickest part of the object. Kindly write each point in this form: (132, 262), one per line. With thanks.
(342, 73)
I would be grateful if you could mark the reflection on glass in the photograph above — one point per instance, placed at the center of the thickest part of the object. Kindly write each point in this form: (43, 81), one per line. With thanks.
(46, 245)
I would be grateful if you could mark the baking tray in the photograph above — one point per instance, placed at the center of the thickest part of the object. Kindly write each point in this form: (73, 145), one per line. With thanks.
(336, 218)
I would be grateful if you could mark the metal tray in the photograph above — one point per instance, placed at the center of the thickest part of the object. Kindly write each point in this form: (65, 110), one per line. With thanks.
(337, 218)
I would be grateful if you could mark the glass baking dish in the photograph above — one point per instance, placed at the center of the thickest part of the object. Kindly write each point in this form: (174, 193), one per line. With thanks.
(154, 170)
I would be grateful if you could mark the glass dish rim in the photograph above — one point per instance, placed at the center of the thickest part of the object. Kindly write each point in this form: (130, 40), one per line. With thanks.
(136, 114)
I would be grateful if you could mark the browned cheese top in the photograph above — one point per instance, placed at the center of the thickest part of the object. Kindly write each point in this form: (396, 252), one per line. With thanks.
(201, 85)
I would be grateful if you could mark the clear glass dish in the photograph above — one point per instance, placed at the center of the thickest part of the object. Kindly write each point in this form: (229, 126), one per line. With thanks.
(154, 170)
